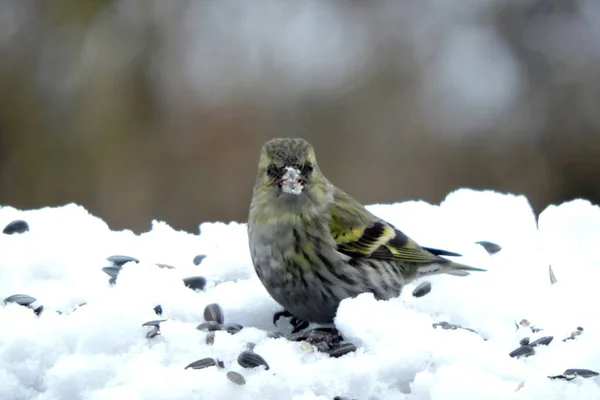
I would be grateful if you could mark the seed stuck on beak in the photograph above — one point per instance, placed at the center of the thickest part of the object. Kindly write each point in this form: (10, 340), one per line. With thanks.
(291, 181)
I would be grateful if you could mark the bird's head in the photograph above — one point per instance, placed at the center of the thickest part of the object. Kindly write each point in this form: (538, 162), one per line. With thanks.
(288, 174)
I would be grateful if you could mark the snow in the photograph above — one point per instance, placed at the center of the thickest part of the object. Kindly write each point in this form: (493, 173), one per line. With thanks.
(100, 350)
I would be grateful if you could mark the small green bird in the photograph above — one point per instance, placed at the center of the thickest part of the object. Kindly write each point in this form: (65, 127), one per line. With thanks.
(312, 245)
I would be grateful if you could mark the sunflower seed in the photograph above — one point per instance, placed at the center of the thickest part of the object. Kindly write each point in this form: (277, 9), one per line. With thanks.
(205, 363)
(232, 328)
(209, 326)
(542, 341)
(26, 301)
(553, 279)
(249, 359)
(155, 331)
(214, 312)
(422, 289)
(210, 338)
(342, 350)
(195, 282)
(112, 271)
(164, 266)
(236, 378)
(584, 373)
(307, 347)
(154, 322)
(17, 226)
(158, 310)
(523, 351)
(524, 341)
(491, 248)
(198, 259)
(120, 260)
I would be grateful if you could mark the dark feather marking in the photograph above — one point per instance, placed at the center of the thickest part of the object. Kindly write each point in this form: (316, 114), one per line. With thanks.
(399, 240)
(338, 274)
(439, 252)
(327, 283)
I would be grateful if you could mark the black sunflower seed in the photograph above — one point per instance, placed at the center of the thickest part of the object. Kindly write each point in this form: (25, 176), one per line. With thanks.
(523, 351)
(524, 341)
(214, 312)
(491, 248)
(209, 326)
(236, 378)
(17, 226)
(112, 271)
(195, 282)
(198, 259)
(542, 341)
(158, 310)
(422, 289)
(26, 301)
(342, 350)
(232, 328)
(249, 359)
(119, 260)
(584, 373)
(154, 322)
(205, 363)
(155, 331)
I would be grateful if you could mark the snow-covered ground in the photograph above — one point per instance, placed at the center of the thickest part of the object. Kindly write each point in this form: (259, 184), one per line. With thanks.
(100, 350)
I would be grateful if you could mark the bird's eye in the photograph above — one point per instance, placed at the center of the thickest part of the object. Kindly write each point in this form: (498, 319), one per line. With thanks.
(271, 170)
(308, 167)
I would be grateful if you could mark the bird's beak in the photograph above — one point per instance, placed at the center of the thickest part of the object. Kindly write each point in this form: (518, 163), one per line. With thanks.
(291, 181)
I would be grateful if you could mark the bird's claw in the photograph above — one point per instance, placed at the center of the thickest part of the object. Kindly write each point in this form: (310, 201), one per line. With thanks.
(279, 314)
(297, 324)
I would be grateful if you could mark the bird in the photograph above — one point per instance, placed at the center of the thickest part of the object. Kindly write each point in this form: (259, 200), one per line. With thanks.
(312, 245)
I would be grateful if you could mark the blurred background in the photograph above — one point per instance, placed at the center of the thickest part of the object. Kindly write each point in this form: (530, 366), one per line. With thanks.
(157, 109)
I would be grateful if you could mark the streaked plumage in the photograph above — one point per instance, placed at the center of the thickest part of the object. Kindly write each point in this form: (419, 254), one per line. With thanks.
(313, 245)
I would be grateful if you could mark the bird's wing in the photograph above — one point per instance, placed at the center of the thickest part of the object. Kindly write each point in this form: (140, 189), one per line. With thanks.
(359, 233)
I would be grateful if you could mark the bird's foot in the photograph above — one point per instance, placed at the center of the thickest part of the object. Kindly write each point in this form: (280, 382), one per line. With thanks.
(297, 324)
(323, 338)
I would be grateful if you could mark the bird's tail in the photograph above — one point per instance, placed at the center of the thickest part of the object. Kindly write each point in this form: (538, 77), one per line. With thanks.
(446, 267)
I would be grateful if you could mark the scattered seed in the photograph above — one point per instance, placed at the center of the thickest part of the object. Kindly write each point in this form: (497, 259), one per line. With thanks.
(236, 378)
(584, 373)
(195, 282)
(210, 338)
(553, 279)
(523, 351)
(158, 310)
(112, 281)
(155, 331)
(342, 350)
(198, 259)
(119, 260)
(209, 326)
(26, 301)
(299, 325)
(307, 347)
(542, 341)
(155, 322)
(524, 341)
(214, 312)
(205, 363)
(422, 289)
(448, 326)
(232, 328)
(249, 359)
(112, 271)
(491, 248)
(17, 226)
(164, 266)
